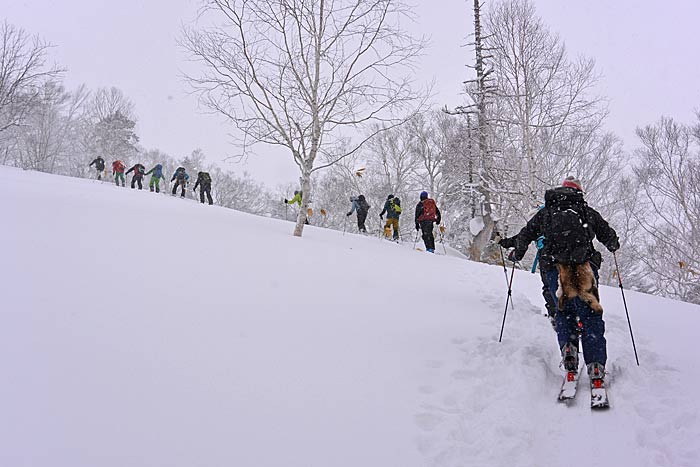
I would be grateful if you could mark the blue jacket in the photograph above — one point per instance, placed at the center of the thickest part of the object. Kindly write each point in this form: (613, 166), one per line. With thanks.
(180, 175)
(157, 171)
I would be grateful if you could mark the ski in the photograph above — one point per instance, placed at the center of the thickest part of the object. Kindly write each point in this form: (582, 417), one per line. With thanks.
(599, 395)
(568, 387)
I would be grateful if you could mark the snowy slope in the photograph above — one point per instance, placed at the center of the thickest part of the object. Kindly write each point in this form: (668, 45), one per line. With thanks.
(145, 330)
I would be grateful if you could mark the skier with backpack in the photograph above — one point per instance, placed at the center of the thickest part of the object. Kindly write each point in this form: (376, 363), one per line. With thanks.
(204, 183)
(118, 172)
(156, 174)
(392, 209)
(139, 171)
(180, 177)
(297, 199)
(571, 265)
(99, 164)
(360, 205)
(427, 213)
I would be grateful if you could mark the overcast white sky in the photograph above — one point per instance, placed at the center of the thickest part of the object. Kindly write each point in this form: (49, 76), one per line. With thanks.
(646, 50)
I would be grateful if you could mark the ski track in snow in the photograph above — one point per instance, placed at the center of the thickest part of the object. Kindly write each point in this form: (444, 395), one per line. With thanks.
(199, 370)
(471, 417)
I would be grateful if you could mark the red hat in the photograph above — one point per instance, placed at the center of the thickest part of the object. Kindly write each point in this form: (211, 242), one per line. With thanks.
(572, 182)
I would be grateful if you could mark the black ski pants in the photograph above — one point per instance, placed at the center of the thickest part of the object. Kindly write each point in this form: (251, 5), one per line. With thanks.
(205, 189)
(137, 179)
(426, 228)
(178, 183)
(361, 218)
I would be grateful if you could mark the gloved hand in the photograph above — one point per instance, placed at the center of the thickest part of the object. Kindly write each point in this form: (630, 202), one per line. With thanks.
(286, 201)
(381, 217)
(502, 242)
(417, 227)
(512, 256)
(348, 214)
(613, 245)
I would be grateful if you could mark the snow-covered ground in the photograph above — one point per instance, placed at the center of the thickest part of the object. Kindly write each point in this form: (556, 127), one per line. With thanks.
(144, 330)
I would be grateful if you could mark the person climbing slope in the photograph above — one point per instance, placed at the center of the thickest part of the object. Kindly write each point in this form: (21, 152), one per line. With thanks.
(360, 205)
(99, 164)
(392, 209)
(204, 183)
(118, 168)
(427, 213)
(138, 170)
(156, 174)
(180, 177)
(569, 226)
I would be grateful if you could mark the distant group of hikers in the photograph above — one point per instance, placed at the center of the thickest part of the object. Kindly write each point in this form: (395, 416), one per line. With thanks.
(180, 177)
(427, 214)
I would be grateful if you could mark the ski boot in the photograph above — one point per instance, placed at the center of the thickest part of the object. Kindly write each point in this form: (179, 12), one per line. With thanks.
(596, 373)
(569, 355)
(430, 250)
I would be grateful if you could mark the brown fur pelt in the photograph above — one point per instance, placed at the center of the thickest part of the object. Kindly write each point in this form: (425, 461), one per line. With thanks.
(577, 280)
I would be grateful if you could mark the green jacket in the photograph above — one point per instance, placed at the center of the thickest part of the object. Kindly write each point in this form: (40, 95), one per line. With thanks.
(296, 199)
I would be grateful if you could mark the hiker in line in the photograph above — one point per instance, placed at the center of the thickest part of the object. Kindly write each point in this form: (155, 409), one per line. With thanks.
(181, 177)
(204, 183)
(392, 208)
(138, 170)
(156, 174)
(118, 172)
(99, 165)
(569, 226)
(427, 213)
(360, 205)
(297, 199)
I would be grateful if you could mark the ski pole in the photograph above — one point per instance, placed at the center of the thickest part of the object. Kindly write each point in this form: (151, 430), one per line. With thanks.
(505, 271)
(345, 221)
(622, 290)
(415, 240)
(510, 291)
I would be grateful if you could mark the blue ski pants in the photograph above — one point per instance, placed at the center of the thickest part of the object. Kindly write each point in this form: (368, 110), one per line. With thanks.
(593, 332)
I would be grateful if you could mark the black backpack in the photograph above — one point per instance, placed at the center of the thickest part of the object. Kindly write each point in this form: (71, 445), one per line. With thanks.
(205, 178)
(362, 203)
(567, 236)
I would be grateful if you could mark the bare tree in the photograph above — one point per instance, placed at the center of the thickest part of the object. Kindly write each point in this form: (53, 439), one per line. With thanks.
(669, 177)
(307, 75)
(544, 102)
(23, 70)
(106, 102)
(45, 141)
(393, 159)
